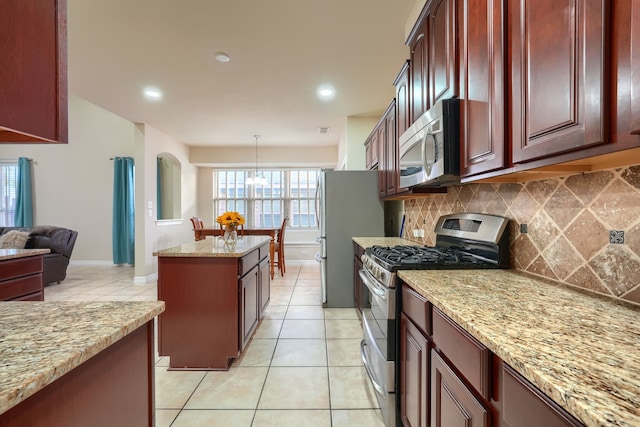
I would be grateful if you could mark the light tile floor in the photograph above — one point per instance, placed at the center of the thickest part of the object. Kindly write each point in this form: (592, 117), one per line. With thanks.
(301, 368)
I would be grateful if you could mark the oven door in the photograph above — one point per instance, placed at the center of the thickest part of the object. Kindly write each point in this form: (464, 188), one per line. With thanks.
(378, 346)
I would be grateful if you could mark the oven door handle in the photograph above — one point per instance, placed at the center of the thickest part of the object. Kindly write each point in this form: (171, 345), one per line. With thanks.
(371, 285)
(363, 355)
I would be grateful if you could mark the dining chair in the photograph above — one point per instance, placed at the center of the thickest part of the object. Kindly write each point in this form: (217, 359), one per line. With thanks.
(278, 260)
(197, 225)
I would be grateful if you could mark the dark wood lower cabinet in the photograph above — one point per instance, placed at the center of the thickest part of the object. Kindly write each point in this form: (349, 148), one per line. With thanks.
(113, 388)
(414, 375)
(519, 404)
(452, 403)
(250, 311)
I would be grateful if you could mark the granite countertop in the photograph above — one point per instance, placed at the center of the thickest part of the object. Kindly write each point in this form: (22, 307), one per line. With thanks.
(213, 246)
(367, 242)
(581, 350)
(42, 341)
(21, 253)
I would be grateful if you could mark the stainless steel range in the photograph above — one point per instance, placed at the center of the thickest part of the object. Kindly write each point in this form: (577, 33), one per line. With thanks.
(464, 240)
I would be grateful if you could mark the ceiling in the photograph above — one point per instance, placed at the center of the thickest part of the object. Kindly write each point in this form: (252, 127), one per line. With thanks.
(281, 51)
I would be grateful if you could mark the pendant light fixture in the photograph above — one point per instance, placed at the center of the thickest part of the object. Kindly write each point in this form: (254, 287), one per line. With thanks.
(257, 179)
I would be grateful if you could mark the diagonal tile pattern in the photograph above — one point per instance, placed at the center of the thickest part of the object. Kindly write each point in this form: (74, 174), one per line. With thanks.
(568, 218)
(301, 368)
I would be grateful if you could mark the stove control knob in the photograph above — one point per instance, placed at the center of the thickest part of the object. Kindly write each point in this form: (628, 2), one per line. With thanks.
(364, 259)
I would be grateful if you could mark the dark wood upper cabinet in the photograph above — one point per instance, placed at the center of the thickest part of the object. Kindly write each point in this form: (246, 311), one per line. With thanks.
(402, 99)
(418, 71)
(558, 81)
(442, 76)
(33, 72)
(482, 88)
(635, 67)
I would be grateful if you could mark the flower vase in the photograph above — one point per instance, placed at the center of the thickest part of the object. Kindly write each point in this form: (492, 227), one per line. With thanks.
(230, 235)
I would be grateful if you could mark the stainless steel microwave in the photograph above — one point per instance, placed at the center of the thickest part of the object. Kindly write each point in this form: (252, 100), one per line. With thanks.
(430, 148)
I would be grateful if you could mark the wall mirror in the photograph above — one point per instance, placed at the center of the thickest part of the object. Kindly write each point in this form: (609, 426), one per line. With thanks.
(169, 179)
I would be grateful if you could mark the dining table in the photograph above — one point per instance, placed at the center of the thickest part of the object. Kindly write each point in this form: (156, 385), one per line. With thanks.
(202, 233)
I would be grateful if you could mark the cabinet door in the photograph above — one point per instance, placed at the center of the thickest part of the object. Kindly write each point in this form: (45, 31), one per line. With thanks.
(391, 153)
(443, 82)
(452, 403)
(265, 285)
(635, 67)
(418, 70)
(414, 375)
(402, 99)
(248, 306)
(33, 107)
(482, 86)
(557, 60)
(381, 136)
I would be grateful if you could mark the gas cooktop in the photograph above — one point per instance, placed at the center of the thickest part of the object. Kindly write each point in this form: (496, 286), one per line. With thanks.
(405, 257)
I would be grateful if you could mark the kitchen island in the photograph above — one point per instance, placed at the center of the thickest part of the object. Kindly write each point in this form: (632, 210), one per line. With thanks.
(77, 364)
(215, 295)
(21, 274)
(581, 350)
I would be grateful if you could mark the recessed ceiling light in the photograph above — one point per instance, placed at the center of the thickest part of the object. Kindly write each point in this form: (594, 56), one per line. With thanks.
(222, 57)
(152, 93)
(326, 92)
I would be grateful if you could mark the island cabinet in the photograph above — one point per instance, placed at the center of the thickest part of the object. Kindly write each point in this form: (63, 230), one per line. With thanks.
(213, 303)
(21, 276)
(33, 69)
(448, 378)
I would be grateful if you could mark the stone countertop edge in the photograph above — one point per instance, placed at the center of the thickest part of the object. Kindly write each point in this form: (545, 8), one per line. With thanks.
(580, 349)
(213, 246)
(6, 254)
(42, 341)
(366, 242)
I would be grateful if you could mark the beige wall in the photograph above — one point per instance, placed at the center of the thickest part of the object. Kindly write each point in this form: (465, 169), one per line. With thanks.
(268, 157)
(351, 151)
(73, 182)
(568, 221)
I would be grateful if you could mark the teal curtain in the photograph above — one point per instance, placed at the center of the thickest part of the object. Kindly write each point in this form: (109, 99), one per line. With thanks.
(24, 195)
(123, 231)
(159, 184)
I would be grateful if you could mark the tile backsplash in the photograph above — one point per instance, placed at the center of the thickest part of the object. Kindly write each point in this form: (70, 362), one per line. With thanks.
(569, 222)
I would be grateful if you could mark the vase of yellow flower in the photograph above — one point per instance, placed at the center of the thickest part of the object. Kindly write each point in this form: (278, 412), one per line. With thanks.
(230, 221)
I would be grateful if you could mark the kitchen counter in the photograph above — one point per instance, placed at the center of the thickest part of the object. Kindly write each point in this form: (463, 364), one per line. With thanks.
(366, 242)
(581, 350)
(215, 247)
(41, 342)
(6, 254)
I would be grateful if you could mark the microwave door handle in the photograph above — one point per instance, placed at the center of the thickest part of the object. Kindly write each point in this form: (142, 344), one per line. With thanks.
(425, 164)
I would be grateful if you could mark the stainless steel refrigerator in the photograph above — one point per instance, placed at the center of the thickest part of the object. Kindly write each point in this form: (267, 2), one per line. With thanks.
(348, 206)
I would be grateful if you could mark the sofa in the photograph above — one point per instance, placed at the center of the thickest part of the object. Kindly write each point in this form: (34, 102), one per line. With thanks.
(58, 239)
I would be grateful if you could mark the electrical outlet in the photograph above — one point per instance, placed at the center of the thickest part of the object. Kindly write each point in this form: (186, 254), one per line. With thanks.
(616, 237)
(418, 232)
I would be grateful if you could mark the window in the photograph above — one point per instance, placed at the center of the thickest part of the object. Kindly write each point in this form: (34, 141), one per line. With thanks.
(8, 187)
(289, 193)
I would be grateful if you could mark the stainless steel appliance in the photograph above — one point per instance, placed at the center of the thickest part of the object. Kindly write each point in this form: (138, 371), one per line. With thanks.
(464, 240)
(348, 206)
(430, 148)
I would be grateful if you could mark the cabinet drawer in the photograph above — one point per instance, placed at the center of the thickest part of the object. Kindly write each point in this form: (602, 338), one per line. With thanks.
(467, 354)
(247, 262)
(21, 286)
(21, 267)
(417, 308)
